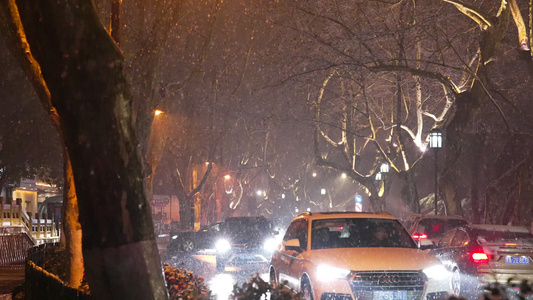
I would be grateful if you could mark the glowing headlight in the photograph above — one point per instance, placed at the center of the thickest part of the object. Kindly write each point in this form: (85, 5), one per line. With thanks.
(326, 273)
(174, 237)
(223, 246)
(270, 244)
(436, 272)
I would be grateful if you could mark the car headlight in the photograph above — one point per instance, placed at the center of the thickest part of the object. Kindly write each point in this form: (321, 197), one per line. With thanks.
(436, 272)
(270, 244)
(174, 237)
(326, 272)
(223, 246)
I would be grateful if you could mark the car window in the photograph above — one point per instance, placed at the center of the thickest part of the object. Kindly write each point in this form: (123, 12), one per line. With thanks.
(434, 228)
(446, 239)
(244, 228)
(460, 239)
(359, 232)
(297, 230)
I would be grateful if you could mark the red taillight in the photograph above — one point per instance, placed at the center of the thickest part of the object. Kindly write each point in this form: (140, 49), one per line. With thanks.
(420, 236)
(510, 244)
(480, 257)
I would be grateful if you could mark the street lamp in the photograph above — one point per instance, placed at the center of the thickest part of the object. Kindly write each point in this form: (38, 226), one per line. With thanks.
(435, 142)
(384, 167)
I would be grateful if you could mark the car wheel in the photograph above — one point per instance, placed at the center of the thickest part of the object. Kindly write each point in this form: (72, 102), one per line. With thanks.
(455, 282)
(187, 246)
(273, 281)
(306, 290)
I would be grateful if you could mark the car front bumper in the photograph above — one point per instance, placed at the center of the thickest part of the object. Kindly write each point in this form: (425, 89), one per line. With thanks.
(342, 289)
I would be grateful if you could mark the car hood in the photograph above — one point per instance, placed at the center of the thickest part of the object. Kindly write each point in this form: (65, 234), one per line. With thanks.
(372, 259)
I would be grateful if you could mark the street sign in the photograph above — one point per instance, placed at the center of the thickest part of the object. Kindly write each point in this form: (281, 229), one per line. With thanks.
(160, 202)
(358, 203)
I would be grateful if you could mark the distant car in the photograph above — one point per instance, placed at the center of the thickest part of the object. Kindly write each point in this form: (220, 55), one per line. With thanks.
(348, 255)
(189, 241)
(245, 243)
(480, 254)
(427, 230)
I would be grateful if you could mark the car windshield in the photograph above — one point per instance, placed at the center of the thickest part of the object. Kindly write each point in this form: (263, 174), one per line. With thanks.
(435, 228)
(248, 227)
(359, 232)
(485, 236)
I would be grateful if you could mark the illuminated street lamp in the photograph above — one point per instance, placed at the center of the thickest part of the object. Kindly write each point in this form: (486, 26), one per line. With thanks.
(322, 191)
(378, 176)
(157, 112)
(435, 142)
(384, 167)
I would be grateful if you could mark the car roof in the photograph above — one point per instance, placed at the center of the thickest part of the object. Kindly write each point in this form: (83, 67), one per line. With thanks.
(491, 227)
(343, 214)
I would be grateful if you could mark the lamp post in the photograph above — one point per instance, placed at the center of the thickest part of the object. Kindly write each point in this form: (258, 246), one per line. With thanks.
(435, 142)
(384, 169)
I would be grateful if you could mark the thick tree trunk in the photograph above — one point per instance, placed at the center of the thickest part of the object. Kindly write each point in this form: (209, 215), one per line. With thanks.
(468, 104)
(84, 73)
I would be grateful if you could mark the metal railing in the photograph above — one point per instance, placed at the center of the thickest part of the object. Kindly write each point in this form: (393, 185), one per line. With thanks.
(40, 229)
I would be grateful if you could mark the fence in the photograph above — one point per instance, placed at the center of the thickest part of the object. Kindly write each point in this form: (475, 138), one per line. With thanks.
(42, 285)
(13, 245)
(41, 229)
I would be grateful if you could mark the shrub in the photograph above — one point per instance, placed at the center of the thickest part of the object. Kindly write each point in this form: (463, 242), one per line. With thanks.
(182, 284)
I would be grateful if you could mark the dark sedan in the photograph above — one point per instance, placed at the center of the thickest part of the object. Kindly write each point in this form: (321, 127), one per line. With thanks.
(245, 243)
(189, 241)
(477, 255)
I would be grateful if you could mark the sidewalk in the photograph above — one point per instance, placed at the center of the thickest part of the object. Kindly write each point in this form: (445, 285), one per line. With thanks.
(10, 277)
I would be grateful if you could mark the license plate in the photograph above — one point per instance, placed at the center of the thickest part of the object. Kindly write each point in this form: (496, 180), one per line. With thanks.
(517, 260)
(390, 295)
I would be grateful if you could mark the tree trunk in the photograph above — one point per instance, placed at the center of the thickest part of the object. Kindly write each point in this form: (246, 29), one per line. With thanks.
(72, 228)
(84, 73)
(468, 104)
(409, 192)
(475, 173)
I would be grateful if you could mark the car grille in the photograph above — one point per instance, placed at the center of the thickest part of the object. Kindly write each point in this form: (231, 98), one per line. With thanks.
(364, 283)
(250, 245)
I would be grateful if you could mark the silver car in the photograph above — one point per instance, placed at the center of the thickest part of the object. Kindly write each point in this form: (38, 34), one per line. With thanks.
(477, 255)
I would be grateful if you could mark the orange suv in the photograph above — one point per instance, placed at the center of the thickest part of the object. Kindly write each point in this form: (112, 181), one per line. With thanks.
(349, 255)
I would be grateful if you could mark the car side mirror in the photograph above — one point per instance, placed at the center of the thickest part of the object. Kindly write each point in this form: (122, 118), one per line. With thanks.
(293, 244)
